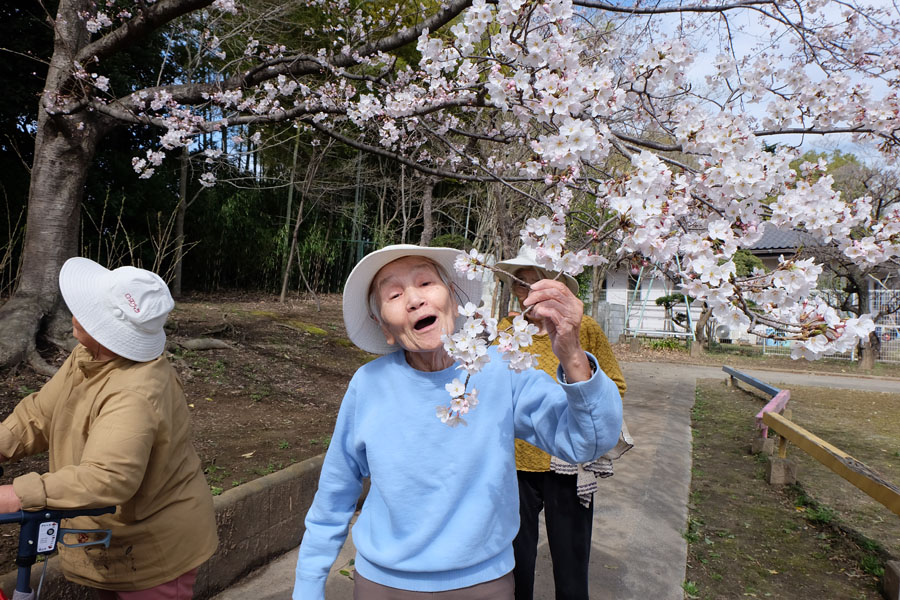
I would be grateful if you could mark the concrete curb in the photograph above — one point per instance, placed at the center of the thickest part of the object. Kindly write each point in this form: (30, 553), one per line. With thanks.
(257, 521)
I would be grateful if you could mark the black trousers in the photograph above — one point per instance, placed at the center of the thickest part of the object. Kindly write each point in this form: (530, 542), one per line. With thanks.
(569, 527)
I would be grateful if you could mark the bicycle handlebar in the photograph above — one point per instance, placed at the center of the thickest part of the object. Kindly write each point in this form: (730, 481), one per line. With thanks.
(52, 514)
(40, 532)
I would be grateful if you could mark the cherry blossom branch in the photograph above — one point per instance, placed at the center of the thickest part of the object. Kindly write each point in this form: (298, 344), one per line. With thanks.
(678, 9)
(150, 18)
(354, 143)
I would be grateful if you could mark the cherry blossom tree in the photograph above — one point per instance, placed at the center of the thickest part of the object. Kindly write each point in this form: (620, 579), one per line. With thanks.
(849, 285)
(702, 105)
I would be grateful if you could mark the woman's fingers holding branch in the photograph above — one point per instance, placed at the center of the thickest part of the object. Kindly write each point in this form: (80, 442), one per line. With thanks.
(561, 312)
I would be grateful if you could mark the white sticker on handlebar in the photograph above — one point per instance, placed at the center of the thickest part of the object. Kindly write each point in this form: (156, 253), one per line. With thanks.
(47, 536)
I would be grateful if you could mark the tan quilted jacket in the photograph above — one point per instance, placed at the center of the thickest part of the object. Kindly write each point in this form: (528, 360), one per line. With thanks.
(118, 433)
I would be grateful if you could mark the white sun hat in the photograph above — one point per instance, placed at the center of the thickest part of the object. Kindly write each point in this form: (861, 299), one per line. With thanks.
(527, 258)
(123, 309)
(362, 329)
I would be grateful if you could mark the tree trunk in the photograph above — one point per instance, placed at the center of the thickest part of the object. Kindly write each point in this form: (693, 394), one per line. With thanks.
(291, 252)
(64, 149)
(427, 220)
(312, 168)
(62, 159)
(179, 221)
(700, 328)
(696, 345)
(288, 213)
(403, 211)
(507, 244)
(869, 353)
(596, 281)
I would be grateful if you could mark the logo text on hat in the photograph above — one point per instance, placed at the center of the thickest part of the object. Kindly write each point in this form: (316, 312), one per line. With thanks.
(132, 303)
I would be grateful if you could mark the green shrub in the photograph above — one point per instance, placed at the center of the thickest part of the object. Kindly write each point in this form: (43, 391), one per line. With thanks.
(451, 240)
(872, 565)
(667, 344)
(820, 514)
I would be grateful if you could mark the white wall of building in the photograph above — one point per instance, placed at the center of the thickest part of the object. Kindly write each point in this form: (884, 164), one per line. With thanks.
(644, 316)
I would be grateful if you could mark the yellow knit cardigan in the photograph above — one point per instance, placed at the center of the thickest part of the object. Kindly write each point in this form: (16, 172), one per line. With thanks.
(593, 340)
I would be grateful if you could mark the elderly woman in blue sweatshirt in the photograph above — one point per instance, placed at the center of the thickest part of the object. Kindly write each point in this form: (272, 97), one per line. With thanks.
(442, 509)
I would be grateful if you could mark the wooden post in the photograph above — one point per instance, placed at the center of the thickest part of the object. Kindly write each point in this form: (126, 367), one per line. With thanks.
(782, 441)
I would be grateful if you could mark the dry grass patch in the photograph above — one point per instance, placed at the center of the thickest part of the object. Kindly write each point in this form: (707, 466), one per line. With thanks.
(820, 539)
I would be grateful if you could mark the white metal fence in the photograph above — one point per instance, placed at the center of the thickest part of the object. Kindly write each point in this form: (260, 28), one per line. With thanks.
(784, 347)
(888, 335)
(644, 317)
(890, 342)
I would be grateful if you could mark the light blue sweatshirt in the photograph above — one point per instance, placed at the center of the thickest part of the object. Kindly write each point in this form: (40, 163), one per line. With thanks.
(442, 509)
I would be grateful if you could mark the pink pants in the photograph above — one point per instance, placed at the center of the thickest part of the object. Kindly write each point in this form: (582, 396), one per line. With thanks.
(180, 588)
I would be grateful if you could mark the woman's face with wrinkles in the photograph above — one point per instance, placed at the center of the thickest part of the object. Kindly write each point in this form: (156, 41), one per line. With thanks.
(416, 306)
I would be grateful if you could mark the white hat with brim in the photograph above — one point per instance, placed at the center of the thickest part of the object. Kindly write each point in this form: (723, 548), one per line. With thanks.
(124, 309)
(527, 259)
(362, 329)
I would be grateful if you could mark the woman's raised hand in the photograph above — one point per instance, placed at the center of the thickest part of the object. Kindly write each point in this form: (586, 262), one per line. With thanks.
(561, 312)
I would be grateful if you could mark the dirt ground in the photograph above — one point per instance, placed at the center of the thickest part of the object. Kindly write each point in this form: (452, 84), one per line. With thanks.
(822, 538)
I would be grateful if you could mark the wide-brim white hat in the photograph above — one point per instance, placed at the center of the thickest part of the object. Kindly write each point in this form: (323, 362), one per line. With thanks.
(527, 259)
(124, 309)
(362, 329)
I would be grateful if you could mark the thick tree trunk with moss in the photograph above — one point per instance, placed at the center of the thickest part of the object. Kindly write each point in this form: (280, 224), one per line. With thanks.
(64, 150)
(63, 155)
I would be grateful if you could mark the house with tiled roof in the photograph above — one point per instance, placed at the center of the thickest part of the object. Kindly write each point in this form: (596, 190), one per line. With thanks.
(777, 242)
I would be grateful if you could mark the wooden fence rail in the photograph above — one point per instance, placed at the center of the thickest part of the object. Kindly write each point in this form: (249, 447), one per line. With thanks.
(837, 460)
(854, 471)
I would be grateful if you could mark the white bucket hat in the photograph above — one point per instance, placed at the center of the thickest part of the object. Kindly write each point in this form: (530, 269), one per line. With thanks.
(527, 259)
(362, 329)
(123, 309)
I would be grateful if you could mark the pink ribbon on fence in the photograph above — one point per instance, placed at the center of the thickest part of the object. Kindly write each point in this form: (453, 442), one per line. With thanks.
(776, 405)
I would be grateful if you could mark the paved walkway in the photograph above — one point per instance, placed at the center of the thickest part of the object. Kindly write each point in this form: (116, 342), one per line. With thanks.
(638, 552)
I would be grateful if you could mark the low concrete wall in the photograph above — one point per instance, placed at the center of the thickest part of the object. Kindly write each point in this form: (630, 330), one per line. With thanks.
(257, 520)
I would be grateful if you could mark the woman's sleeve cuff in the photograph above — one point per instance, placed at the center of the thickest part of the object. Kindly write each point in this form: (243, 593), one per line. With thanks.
(561, 375)
(30, 490)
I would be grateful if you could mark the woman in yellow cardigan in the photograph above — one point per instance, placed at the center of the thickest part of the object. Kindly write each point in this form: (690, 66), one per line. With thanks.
(563, 491)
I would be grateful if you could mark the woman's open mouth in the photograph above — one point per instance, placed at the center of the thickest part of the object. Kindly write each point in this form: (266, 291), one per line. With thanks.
(423, 323)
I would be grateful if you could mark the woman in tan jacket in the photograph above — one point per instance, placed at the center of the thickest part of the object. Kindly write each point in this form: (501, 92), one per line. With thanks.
(116, 424)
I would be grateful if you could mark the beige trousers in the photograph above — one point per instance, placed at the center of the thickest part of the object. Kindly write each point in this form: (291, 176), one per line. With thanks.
(496, 589)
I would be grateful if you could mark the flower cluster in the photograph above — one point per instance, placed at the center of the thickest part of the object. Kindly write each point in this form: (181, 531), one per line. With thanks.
(472, 264)
(511, 344)
(468, 347)
(461, 403)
